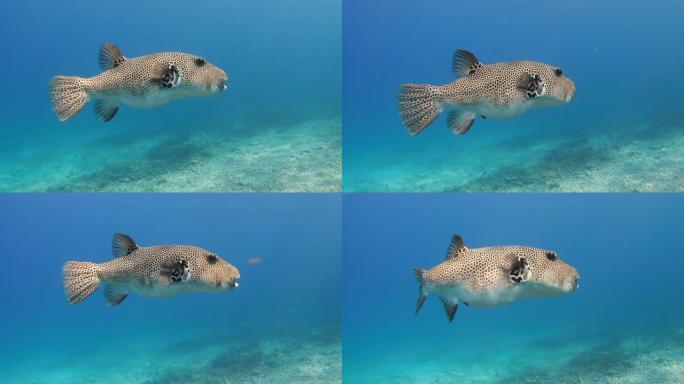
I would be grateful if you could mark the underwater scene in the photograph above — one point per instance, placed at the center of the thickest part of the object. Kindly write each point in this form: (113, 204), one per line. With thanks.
(273, 263)
(248, 101)
(619, 320)
(615, 125)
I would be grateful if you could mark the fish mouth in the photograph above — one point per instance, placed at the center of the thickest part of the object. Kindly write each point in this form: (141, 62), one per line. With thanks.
(219, 86)
(231, 284)
(570, 94)
(222, 86)
(216, 86)
(571, 285)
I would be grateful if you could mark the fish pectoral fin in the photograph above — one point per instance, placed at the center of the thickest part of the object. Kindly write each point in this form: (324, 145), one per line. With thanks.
(168, 76)
(531, 86)
(519, 269)
(460, 122)
(115, 294)
(110, 56)
(450, 308)
(123, 245)
(173, 273)
(105, 110)
(464, 63)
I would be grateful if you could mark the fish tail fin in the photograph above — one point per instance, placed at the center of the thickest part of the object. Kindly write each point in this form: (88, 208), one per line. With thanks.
(68, 96)
(420, 278)
(419, 106)
(80, 280)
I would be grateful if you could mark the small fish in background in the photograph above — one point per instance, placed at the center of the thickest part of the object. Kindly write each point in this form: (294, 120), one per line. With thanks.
(494, 276)
(155, 272)
(496, 91)
(140, 82)
(254, 260)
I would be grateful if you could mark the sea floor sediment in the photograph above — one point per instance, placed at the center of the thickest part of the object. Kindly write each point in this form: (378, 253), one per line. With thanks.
(630, 159)
(301, 156)
(313, 357)
(639, 357)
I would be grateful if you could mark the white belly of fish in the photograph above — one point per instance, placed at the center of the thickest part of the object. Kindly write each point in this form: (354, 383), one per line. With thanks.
(496, 112)
(156, 291)
(151, 100)
(490, 298)
(488, 110)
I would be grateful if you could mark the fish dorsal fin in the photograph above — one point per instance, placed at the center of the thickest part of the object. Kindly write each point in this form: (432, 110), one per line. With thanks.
(110, 56)
(123, 245)
(464, 63)
(456, 247)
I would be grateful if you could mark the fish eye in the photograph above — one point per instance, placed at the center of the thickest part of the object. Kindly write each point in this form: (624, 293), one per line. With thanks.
(551, 256)
(212, 259)
(200, 61)
(558, 72)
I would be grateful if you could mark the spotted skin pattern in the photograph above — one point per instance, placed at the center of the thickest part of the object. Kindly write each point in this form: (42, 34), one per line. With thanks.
(141, 82)
(156, 272)
(496, 91)
(493, 276)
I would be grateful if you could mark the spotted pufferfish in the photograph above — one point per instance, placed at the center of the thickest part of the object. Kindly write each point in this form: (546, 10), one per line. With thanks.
(140, 82)
(496, 91)
(494, 276)
(155, 272)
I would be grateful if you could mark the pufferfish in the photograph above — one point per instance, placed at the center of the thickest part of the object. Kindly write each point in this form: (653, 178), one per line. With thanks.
(139, 82)
(496, 91)
(155, 272)
(494, 276)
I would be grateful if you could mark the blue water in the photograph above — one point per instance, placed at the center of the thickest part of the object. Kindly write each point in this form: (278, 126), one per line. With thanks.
(623, 325)
(623, 131)
(282, 324)
(276, 126)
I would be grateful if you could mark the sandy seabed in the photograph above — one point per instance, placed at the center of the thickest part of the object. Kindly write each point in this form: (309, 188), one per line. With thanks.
(302, 157)
(314, 357)
(611, 357)
(631, 159)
